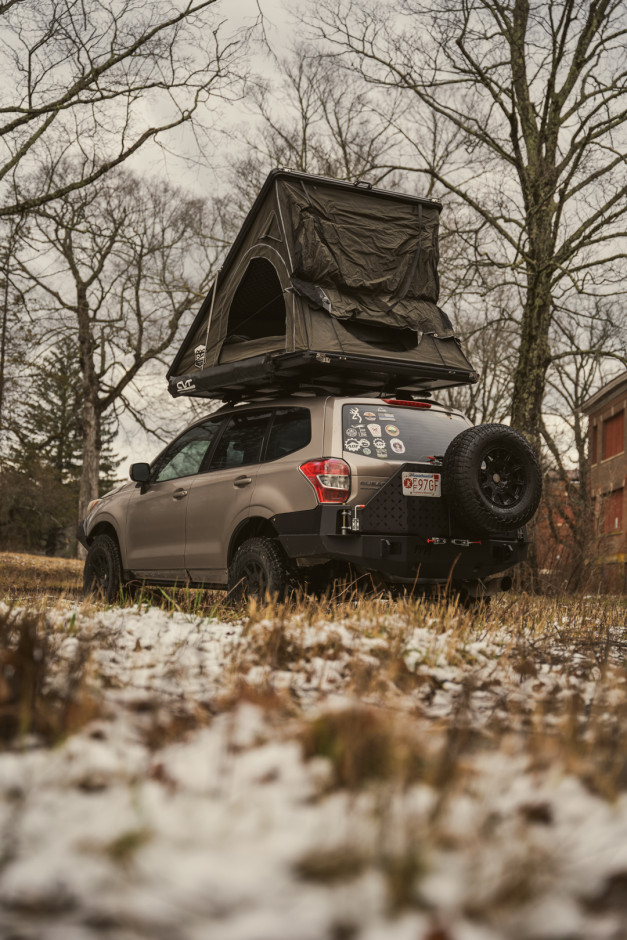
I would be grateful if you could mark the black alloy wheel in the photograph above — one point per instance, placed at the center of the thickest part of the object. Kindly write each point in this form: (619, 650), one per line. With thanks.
(502, 478)
(254, 576)
(258, 571)
(102, 574)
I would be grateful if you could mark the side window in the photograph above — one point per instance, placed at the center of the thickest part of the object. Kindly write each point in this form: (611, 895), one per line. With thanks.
(185, 456)
(290, 431)
(242, 440)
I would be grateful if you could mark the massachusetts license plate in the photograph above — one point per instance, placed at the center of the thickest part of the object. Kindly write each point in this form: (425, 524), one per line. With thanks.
(422, 484)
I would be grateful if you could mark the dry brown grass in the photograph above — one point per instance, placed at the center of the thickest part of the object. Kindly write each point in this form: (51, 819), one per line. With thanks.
(571, 640)
(38, 576)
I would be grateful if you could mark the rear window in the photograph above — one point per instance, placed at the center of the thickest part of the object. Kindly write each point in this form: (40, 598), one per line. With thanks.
(241, 440)
(402, 434)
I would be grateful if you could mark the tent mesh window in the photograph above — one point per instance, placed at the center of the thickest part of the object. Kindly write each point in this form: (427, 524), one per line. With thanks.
(382, 337)
(258, 306)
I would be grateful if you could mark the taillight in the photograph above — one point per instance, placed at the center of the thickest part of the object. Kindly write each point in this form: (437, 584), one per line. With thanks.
(330, 478)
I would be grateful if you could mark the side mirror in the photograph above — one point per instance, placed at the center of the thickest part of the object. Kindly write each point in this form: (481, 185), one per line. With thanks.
(140, 472)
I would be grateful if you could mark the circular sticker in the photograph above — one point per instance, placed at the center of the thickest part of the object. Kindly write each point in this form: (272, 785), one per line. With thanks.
(397, 446)
(367, 451)
(392, 430)
(351, 445)
(379, 444)
(351, 432)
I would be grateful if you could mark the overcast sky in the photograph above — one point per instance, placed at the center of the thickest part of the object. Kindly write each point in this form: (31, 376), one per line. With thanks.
(205, 173)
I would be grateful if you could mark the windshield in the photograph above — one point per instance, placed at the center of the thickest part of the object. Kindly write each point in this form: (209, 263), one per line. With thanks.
(393, 433)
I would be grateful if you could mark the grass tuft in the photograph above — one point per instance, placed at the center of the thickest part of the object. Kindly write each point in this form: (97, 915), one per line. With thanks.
(32, 700)
(363, 745)
(124, 847)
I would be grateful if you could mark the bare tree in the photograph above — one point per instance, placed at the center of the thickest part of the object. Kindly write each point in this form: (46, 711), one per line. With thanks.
(116, 268)
(316, 118)
(535, 94)
(13, 336)
(96, 81)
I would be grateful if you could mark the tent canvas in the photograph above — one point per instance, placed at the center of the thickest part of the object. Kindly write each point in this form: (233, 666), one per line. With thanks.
(327, 283)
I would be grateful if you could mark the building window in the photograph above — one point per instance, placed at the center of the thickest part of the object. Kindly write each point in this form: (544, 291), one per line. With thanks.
(613, 512)
(614, 435)
(593, 443)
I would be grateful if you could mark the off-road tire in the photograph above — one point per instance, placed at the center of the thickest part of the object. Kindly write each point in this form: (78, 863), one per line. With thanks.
(102, 574)
(491, 478)
(258, 570)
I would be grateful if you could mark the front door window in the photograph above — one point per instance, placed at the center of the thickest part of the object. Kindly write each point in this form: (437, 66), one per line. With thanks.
(185, 456)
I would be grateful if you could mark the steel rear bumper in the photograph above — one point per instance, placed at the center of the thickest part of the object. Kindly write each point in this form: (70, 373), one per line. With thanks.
(403, 538)
(312, 537)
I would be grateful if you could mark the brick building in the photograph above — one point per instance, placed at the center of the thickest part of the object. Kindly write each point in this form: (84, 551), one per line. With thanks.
(606, 413)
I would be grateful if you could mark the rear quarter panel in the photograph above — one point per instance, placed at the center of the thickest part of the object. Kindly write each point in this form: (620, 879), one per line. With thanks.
(280, 486)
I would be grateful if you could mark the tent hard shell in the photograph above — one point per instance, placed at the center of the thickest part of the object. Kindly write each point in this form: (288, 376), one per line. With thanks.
(328, 285)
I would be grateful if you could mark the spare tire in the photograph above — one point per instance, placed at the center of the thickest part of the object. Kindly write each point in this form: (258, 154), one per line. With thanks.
(491, 478)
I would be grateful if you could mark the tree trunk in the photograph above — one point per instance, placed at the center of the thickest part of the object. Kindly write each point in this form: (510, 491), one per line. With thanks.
(3, 341)
(90, 472)
(529, 383)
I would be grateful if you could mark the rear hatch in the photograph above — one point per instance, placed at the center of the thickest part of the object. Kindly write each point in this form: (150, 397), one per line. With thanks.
(395, 452)
(377, 438)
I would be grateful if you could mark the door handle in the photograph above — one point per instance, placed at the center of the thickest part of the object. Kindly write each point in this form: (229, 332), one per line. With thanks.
(179, 494)
(242, 481)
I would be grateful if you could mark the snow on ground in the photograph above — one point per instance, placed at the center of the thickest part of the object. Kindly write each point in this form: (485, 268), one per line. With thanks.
(390, 773)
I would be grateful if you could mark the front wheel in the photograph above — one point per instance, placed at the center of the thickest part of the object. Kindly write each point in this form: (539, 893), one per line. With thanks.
(102, 574)
(258, 570)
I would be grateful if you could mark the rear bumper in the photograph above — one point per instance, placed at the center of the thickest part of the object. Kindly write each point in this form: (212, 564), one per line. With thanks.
(312, 538)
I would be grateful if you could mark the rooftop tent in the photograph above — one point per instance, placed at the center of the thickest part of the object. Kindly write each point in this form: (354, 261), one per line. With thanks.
(327, 284)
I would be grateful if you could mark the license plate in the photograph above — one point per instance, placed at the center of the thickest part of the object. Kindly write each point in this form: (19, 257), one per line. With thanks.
(422, 484)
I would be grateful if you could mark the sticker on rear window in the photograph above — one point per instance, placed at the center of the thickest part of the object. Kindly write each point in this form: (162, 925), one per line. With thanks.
(397, 446)
(392, 430)
(375, 430)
